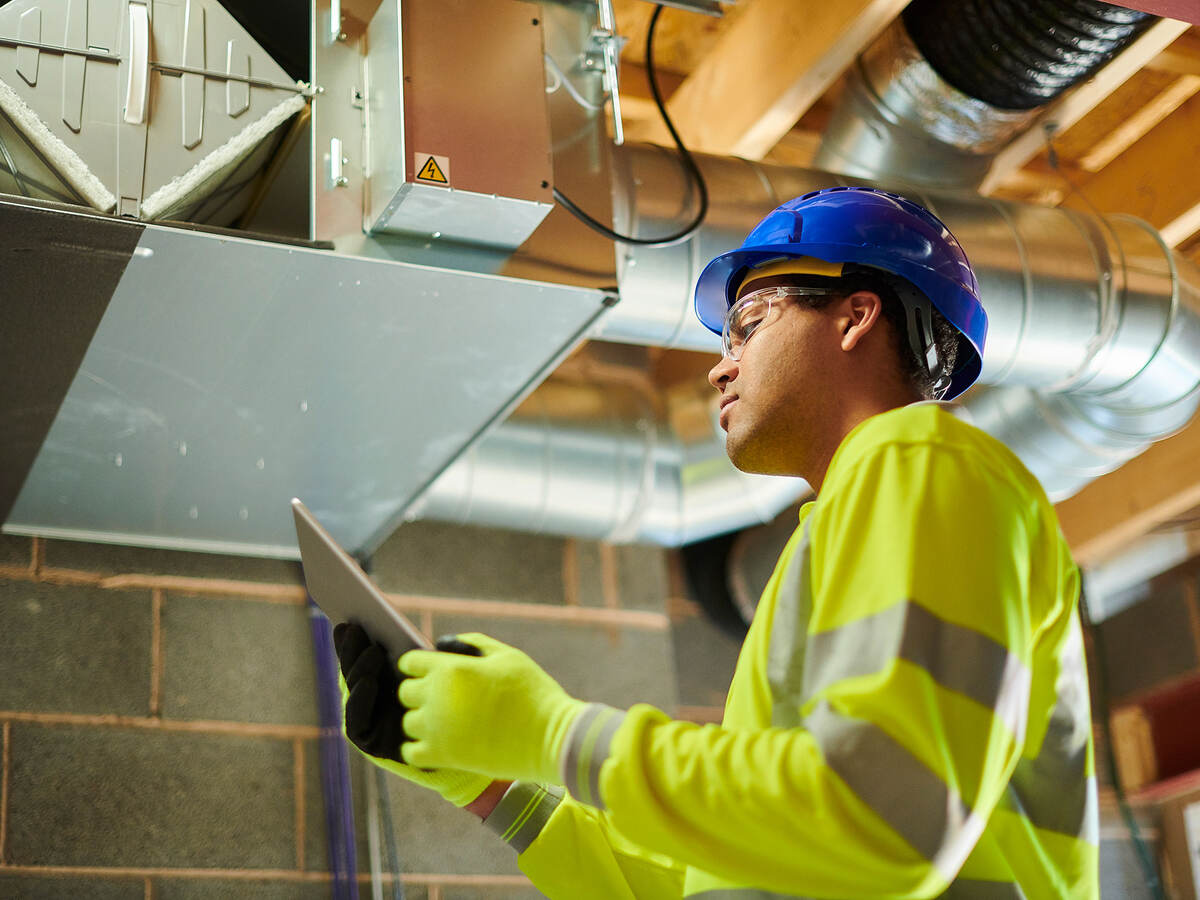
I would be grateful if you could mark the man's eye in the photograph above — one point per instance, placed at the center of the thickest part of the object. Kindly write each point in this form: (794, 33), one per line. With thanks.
(750, 323)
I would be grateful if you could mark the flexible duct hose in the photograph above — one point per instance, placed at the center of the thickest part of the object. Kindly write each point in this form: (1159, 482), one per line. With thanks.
(1020, 54)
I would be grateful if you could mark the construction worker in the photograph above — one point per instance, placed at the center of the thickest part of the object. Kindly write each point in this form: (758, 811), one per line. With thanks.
(909, 714)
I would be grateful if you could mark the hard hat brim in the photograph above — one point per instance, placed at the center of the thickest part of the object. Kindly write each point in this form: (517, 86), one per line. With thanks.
(718, 283)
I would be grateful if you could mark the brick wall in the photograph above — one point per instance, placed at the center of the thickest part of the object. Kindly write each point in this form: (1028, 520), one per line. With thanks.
(158, 715)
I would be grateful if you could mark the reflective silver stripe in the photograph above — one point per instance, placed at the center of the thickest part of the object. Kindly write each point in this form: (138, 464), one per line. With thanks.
(523, 812)
(789, 625)
(958, 658)
(962, 889)
(1053, 790)
(585, 750)
(899, 788)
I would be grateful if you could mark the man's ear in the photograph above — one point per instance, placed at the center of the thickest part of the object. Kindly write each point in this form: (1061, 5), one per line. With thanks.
(858, 315)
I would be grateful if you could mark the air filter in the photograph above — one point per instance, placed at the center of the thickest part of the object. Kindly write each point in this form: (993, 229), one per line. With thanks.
(149, 109)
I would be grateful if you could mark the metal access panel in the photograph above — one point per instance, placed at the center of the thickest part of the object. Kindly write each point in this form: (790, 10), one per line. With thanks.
(226, 376)
(469, 157)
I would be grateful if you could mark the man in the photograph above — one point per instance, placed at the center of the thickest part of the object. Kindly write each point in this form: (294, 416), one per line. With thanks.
(909, 714)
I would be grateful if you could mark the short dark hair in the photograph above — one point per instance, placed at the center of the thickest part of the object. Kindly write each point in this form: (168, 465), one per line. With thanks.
(945, 336)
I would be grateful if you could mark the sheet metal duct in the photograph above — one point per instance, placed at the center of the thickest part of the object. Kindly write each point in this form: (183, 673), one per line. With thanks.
(1095, 322)
(608, 461)
(218, 377)
(948, 84)
(1094, 328)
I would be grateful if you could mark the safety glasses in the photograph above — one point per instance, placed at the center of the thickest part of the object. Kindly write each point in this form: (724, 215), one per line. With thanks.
(753, 311)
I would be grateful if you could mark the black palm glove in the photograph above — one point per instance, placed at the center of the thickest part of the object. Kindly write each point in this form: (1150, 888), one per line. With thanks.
(374, 714)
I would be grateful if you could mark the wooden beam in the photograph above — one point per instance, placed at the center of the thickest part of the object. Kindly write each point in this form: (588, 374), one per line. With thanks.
(796, 148)
(1182, 57)
(641, 117)
(767, 68)
(1159, 485)
(1132, 128)
(1082, 99)
(1157, 179)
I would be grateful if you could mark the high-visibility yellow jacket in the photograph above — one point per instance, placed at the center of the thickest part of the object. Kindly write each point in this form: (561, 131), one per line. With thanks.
(908, 717)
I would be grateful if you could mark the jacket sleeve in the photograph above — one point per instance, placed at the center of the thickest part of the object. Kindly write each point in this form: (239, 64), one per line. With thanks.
(571, 852)
(897, 725)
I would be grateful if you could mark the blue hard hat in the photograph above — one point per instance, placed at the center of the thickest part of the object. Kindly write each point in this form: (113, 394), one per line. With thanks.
(867, 227)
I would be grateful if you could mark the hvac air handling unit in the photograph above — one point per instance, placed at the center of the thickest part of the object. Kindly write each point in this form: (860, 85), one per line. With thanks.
(470, 156)
(175, 383)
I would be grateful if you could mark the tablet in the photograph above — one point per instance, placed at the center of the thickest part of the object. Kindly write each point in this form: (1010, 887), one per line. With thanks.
(344, 592)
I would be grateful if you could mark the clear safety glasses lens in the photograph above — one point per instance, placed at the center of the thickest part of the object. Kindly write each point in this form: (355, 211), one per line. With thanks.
(751, 312)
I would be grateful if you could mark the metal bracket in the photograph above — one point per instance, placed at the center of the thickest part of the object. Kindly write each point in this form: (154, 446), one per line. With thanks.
(337, 163)
(604, 51)
(335, 33)
(87, 53)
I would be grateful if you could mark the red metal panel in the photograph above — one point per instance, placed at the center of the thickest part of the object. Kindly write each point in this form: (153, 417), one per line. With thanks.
(1183, 10)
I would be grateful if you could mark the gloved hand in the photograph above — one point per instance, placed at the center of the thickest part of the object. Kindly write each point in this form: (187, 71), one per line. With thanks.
(374, 716)
(499, 714)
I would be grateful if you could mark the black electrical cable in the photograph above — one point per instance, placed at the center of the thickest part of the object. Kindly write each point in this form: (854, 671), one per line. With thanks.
(1149, 869)
(685, 156)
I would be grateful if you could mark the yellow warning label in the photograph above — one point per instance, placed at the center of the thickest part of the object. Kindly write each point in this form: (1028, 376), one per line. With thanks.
(435, 170)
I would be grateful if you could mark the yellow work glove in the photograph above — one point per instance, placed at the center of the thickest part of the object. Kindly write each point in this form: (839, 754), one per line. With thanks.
(499, 714)
(373, 716)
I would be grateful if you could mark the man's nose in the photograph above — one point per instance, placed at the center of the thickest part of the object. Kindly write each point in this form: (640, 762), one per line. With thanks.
(724, 371)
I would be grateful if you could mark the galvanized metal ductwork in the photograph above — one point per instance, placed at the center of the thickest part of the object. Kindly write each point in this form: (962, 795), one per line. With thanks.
(611, 461)
(1094, 331)
(1095, 323)
(950, 83)
(1109, 355)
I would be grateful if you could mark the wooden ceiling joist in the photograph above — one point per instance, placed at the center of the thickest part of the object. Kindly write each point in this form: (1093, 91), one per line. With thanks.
(1078, 102)
(1112, 511)
(766, 70)
(1157, 178)
(1139, 122)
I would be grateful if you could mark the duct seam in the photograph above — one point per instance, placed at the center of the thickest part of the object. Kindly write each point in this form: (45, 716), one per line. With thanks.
(1026, 285)
(1097, 245)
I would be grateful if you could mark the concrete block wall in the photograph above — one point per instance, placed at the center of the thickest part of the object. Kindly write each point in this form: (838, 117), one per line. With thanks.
(158, 720)
(158, 717)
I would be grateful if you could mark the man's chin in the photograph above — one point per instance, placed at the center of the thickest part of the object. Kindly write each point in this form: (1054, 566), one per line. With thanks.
(754, 460)
(743, 457)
